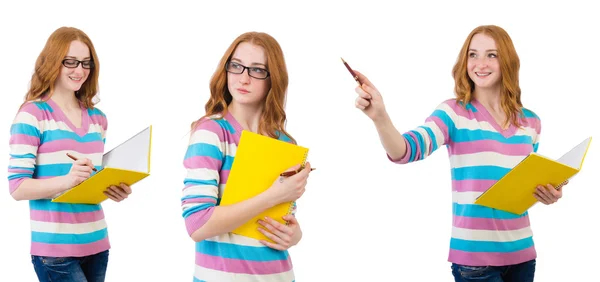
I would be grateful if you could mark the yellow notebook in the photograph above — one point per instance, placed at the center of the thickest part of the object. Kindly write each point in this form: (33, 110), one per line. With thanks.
(127, 163)
(257, 164)
(514, 192)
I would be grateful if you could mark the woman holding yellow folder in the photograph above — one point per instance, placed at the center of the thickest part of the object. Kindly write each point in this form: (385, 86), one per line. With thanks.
(487, 132)
(56, 138)
(247, 92)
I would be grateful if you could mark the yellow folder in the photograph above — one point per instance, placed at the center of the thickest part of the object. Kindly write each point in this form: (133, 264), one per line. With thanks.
(257, 164)
(514, 192)
(127, 163)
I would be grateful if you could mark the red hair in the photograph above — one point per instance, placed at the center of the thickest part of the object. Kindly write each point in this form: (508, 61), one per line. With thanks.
(273, 117)
(510, 92)
(49, 64)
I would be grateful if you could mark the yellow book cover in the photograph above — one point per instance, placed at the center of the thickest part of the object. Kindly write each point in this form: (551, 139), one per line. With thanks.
(257, 164)
(127, 163)
(514, 192)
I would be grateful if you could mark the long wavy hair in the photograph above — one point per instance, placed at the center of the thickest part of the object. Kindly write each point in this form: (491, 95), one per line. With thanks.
(49, 64)
(273, 117)
(510, 91)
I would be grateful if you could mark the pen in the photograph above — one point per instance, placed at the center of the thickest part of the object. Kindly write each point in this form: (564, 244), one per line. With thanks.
(290, 173)
(351, 71)
(74, 158)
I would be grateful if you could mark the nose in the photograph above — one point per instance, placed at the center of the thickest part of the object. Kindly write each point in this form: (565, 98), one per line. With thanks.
(245, 76)
(481, 62)
(79, 68)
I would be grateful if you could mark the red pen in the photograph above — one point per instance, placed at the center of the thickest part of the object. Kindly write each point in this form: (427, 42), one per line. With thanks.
(351, 72)
(293, 172)
(75, 159)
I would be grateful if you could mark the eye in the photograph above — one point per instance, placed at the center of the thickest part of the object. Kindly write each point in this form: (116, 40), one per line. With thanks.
(472, 55)
(492, 55)
(86, 63)
(235, 65)
(257, 70)
(70, 62)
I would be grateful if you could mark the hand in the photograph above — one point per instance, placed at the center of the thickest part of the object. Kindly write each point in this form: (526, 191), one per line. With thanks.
(287, 189)
(284, 236)
(369, 99)
(549, 194)
(118, 193)
(80, 171)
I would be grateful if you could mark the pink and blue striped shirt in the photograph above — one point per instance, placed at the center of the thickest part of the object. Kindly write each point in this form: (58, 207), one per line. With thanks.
(40, 137)
(480, 152)
(227, 257)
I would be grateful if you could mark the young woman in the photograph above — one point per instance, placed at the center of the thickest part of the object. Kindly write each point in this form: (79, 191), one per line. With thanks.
(248, 92)
(487, 132)
(69, 242)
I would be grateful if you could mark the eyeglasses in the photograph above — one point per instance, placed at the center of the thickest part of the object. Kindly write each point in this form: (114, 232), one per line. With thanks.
(258, 73)
(72, 63)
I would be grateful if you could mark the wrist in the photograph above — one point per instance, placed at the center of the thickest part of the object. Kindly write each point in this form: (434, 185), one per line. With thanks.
(62, 182)
(382, 121)
(269, 198)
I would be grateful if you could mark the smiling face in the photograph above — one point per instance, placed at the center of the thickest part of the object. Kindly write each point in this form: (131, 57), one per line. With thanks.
(483, 65)
(245, 89)
(71, 77)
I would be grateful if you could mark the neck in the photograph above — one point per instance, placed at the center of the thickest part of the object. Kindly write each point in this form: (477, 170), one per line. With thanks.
(489, 97)
(65, 99)
(247, 116)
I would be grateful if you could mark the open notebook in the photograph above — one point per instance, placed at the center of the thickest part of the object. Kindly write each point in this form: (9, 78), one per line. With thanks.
(514, 192)
(257, 164)
(127, 163)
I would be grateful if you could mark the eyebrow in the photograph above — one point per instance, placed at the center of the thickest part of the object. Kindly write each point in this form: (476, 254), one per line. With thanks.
(71, 57)
(488, 50)
(253, 64)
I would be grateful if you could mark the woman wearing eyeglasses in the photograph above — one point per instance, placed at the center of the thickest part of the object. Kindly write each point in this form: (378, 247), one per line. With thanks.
(69, 242)
(247, 92)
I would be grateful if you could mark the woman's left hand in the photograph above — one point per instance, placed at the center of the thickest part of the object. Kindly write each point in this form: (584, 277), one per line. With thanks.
(118, 193)
(548, 194)
(284, 236)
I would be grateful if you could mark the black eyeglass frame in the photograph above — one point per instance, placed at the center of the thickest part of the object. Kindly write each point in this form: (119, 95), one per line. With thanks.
(244, 68)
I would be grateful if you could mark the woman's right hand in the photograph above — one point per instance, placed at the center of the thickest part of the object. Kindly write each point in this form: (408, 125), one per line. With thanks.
(369, 99)
(80, 171)
(287, 189)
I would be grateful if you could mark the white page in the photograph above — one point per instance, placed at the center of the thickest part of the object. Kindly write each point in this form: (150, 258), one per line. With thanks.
(575, 157)
(132, 154)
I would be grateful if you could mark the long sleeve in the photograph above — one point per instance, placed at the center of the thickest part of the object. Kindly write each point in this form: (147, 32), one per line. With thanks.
(203, 160)
(25, 135)
(434, 133)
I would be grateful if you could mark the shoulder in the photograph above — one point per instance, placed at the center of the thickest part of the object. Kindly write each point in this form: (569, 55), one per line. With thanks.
(215, 124)
(284, 137)
(98, 116)
(531, 119)
(96, 112)
(449, 108)
(33, 110)
(212, 130)
(527, 113)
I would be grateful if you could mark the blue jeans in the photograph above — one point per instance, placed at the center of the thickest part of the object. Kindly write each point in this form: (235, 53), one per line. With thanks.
(522, 272)
(76, 269)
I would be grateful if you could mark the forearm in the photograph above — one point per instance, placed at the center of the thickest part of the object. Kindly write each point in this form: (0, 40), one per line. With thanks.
(393, 142)
(33, 189)
(225, 219)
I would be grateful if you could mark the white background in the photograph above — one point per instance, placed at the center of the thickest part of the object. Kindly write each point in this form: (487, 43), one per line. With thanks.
(364, 218)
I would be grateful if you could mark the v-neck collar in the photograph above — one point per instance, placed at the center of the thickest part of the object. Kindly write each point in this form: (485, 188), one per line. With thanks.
(507, 133)
(236, 125)
(81, 131)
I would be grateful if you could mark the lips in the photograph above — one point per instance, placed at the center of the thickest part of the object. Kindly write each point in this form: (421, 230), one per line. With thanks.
(482, 74)
(242, 91)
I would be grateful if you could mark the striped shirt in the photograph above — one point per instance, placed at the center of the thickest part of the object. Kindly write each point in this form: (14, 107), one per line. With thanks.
(41, 135)
(480, 152)
(227, 257)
